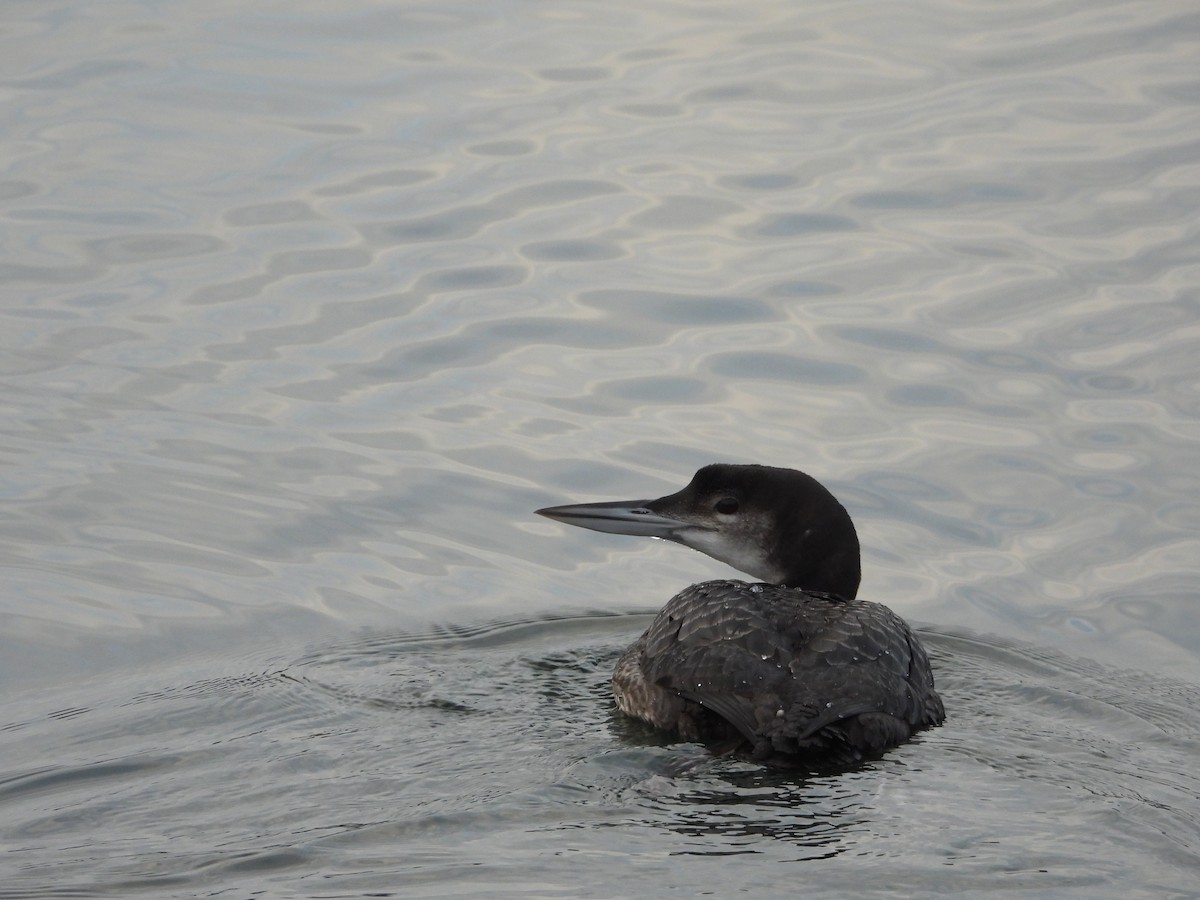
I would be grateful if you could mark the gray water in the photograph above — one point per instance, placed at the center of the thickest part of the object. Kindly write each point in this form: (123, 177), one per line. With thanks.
(307, 306)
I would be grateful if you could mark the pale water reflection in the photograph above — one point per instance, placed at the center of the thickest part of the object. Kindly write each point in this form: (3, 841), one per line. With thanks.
(307, 307)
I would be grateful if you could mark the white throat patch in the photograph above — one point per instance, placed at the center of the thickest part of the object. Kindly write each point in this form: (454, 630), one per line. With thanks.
(744, 555)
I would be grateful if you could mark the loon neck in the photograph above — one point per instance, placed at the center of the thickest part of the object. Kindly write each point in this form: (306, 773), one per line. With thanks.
(822, 555)
(839, 574)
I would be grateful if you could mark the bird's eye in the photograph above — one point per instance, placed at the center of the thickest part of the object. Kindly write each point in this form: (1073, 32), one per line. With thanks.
(726, 506)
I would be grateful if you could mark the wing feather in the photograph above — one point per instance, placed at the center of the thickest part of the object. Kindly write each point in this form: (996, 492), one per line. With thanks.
(792, 671)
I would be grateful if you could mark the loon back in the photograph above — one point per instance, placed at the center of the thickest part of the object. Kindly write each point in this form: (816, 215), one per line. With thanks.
(781, 670)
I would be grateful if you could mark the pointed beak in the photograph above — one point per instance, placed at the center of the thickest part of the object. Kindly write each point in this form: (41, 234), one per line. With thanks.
(618, 517)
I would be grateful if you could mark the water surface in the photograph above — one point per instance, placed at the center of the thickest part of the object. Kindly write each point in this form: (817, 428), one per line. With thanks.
(306, 308)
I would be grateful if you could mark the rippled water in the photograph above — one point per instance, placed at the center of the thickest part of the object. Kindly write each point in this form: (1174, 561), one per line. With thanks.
(307, 306)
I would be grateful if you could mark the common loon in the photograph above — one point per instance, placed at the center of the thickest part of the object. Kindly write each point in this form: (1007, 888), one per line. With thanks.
(792, 669)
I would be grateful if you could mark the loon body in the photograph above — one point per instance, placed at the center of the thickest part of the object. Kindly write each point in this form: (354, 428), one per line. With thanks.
(791, 668)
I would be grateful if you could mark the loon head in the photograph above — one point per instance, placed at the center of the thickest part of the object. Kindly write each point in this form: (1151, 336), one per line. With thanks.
(777, 525)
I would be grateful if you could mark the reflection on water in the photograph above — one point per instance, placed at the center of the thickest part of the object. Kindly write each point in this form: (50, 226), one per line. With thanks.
(307, 307)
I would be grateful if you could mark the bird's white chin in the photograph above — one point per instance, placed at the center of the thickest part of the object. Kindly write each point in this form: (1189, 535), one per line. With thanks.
(742, 555)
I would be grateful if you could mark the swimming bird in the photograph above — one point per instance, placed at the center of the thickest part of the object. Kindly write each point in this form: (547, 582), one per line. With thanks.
(792, 668)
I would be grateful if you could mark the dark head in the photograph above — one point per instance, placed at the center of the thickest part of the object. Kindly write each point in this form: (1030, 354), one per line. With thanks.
(778, 525)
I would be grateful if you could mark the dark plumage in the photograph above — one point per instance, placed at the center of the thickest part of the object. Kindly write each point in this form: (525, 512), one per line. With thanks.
(795, 669)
